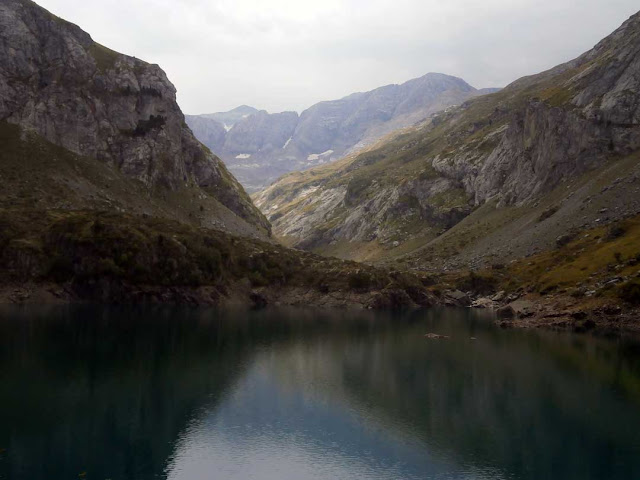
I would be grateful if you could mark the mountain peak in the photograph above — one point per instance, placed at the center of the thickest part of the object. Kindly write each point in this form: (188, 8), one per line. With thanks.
(243, 109)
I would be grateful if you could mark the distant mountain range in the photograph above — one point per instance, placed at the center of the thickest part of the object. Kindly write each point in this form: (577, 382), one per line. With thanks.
(258, 147)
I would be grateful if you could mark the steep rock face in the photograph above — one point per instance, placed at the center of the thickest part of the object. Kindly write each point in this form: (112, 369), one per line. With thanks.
(509, 149)
(57, 82)
(593, 114)
(260, 132)
(261, 147)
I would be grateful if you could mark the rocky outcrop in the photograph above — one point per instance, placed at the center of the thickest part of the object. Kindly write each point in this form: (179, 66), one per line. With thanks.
(57, 82)
(260, 147)
(507, 150)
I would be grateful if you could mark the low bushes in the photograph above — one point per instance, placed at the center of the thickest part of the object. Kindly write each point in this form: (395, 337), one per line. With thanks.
(629, 292)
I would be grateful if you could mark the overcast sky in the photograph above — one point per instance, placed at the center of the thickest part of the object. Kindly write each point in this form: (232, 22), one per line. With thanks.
(289, 54)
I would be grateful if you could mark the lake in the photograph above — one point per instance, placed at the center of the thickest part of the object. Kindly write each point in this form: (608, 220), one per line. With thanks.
(189, 394)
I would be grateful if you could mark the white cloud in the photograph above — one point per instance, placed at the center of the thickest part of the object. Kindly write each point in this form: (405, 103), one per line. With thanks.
(289, 54)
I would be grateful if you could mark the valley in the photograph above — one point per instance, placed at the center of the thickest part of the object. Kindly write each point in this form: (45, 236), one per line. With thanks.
(423, 281)
(437, 182)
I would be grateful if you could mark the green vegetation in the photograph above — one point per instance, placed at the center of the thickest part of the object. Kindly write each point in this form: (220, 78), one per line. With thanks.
(481, 283)
(588, 260)
(449, 199)
(629, 292)
(591, 257)
(89, 250)
(105, 57)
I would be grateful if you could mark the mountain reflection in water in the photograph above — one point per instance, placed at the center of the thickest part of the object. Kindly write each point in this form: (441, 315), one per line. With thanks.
(141, 393)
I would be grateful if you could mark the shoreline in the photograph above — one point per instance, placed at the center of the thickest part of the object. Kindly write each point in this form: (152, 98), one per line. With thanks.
(559, 313)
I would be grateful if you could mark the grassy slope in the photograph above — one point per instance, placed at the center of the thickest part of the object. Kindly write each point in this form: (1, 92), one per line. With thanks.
(37, 174)
(593, 267)
(593, 258)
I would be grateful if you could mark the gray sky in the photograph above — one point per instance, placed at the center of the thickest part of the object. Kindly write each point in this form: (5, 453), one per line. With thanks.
(289, 54)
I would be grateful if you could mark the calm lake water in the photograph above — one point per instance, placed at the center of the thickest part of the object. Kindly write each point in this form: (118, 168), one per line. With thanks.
(124, 393)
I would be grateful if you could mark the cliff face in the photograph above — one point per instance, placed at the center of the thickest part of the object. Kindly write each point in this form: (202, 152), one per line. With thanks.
(260, 147)
(509, 150)
(589, 110)
(55, 81)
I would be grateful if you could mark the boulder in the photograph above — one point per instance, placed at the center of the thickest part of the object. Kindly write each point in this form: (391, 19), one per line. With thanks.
(500, 296)
(457, 298)
(506, 312)
(483, 303)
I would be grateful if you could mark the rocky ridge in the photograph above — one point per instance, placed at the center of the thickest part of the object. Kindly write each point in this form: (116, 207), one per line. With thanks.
(259, 147)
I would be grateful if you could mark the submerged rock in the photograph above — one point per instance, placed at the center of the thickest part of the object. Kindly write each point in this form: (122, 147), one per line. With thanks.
(435, 336)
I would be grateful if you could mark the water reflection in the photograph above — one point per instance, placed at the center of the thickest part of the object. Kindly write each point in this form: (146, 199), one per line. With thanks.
(198, 394)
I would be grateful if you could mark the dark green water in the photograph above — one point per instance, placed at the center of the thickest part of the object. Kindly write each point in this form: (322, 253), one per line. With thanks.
(96, 393)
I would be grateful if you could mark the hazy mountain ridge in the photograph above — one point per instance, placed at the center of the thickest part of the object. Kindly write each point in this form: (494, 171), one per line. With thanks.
(493, 162)
(260, 147)
(230, 118)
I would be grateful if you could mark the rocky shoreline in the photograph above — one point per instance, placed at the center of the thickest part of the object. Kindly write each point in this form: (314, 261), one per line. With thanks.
(241, 294)
(561, 312)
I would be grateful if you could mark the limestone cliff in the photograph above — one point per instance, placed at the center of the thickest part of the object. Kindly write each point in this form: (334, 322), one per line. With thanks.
(59, 84)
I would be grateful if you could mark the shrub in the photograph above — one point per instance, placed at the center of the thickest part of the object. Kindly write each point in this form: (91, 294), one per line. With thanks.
(61, 269)
(549, 212)
(151, 92)
(566, 239)
(360, 280)
(629, 292)
(546, 290)
(481, 284)
(429, 280)
(615, 231)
